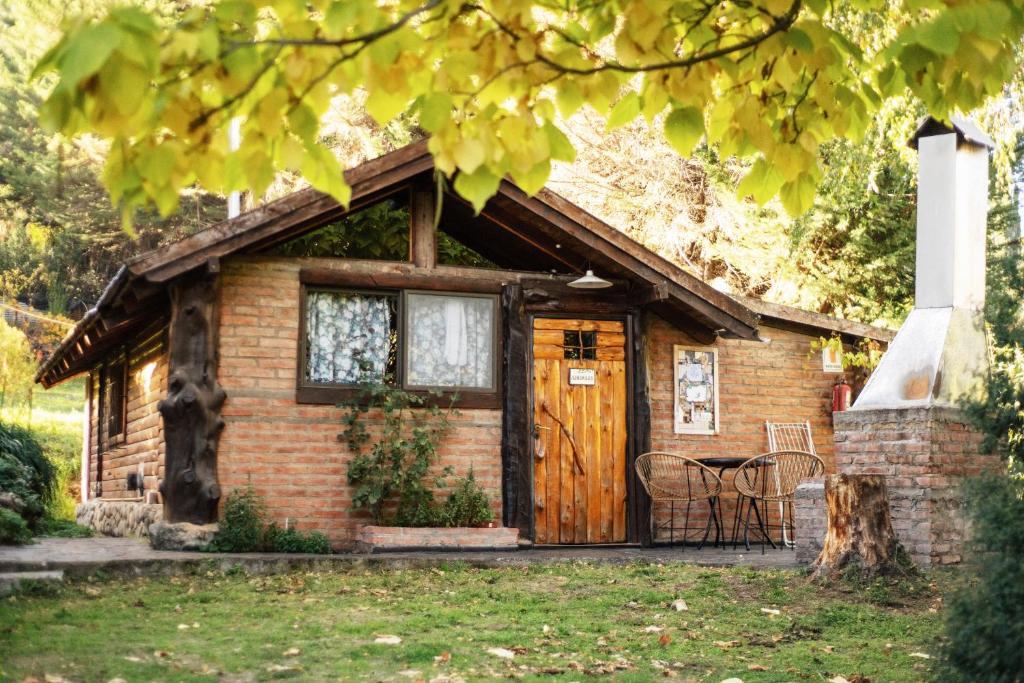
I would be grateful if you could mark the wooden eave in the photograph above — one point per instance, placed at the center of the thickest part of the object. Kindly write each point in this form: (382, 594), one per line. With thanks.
(799, 320)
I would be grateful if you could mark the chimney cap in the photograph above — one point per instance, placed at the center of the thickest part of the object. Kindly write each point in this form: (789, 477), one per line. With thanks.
(966, 130)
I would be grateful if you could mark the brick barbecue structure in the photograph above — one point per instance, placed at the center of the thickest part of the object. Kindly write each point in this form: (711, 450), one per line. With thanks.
(906, 424)
(243, 333)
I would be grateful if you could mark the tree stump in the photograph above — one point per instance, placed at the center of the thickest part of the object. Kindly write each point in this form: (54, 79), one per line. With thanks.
(191, 410)
(860, 537)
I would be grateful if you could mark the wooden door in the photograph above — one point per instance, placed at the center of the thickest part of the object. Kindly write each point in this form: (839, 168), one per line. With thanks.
(579, 415)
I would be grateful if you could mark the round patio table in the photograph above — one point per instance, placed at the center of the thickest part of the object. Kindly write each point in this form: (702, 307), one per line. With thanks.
(722, 464)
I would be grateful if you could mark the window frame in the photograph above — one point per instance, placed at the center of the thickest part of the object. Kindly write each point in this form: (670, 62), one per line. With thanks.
(313, 393)
(403, 337)
(105, 439)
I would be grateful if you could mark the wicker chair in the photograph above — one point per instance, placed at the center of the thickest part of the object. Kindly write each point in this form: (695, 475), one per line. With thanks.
(771, 478)
(675, 479)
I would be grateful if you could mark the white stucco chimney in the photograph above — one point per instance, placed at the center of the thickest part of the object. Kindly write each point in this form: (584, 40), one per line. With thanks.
(940, 354)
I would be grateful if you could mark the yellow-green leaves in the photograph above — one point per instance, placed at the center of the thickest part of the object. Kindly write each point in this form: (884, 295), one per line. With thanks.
(624, 111)
(477, 187)
(684, 129)
(491, 83)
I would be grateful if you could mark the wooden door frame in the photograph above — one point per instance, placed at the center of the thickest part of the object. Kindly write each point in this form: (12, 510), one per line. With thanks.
(634, 495)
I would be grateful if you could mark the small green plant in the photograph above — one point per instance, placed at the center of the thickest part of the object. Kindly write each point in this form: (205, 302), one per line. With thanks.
(244, 530)
(467, 504)
(389, 469)
(62, 528)
(13, 529)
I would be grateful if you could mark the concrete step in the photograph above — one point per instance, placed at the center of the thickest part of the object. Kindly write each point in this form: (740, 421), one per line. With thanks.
(9, 581)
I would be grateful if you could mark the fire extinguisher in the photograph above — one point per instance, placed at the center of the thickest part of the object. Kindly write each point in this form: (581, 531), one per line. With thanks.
(841, 394)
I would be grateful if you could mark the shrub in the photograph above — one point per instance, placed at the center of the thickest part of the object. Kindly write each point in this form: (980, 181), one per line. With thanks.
(25, 471)
(467, 504)
(241, 529)
(291, 540)
(244, 530)
(985, 621)
(13, 529)
(393, 467)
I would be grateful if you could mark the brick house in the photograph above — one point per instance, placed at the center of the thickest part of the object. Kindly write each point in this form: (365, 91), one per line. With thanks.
(218, 361)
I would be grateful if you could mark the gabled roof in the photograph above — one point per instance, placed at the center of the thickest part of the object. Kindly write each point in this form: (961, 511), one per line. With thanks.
(136, 298)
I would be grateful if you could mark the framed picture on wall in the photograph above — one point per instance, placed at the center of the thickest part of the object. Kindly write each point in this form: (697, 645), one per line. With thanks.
(695, 382)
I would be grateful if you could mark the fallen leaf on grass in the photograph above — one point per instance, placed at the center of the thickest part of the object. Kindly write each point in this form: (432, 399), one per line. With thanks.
(545, 629)
(771, 612)
(665, 639)
(443, 658)
(410, 673)
(828, 648)
(277, 668)
(653, 629)
(161, 654)
(920, 655)
(133, 659)
(679, 605)
(292, 652)
(732, 680)
(757, 667)
(117, 680)
(838, 679)
(726, 644)
(501, 652)
(54, 678)
(387, 640)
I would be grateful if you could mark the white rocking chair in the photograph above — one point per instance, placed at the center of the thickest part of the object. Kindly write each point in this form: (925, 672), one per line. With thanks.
(789, 436)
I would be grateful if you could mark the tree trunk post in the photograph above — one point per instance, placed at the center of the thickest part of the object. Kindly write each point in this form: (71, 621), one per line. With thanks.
(860, 536)
(191, 410)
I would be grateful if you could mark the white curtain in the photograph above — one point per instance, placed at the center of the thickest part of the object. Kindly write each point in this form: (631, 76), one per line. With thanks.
(450, 341)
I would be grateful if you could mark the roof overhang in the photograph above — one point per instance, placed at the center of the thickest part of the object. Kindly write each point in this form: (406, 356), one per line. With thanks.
(136, 297)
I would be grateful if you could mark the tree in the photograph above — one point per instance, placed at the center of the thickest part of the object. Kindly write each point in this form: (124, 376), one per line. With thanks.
(60, 239)
(771, 79)
(17, 367)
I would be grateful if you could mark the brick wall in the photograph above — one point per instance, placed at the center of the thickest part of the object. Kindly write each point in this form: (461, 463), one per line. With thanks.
(924, 453)
(778, 381)
(290, 452)
(142, 440)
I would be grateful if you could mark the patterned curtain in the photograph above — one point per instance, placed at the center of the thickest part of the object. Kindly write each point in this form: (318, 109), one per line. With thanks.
(348, 337)
(451, 341)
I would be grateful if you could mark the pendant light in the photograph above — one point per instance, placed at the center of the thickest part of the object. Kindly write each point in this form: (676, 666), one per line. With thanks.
(590, 281)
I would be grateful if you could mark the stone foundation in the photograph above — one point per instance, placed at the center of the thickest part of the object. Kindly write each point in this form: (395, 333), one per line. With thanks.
(810, 519)
(118, 517)
(925, 454)
(385, 538)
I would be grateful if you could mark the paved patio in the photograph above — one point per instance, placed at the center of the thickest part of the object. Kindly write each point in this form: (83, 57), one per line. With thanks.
(132, 556)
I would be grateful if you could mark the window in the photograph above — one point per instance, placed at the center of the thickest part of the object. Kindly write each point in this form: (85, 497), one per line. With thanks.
(580, 345)
(450, 340)
(378, 232)
(696, 390)
(351, 337)
(113, 400)
(417, 340)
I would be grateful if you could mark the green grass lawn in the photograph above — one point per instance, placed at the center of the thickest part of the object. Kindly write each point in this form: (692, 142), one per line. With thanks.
(553, 622)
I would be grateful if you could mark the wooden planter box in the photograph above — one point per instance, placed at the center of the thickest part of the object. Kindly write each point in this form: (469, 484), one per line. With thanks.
(375, 539)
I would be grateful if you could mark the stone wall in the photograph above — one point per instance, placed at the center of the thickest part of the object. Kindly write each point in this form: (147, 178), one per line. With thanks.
(118, 518)
(925, 454)
(811, 519)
